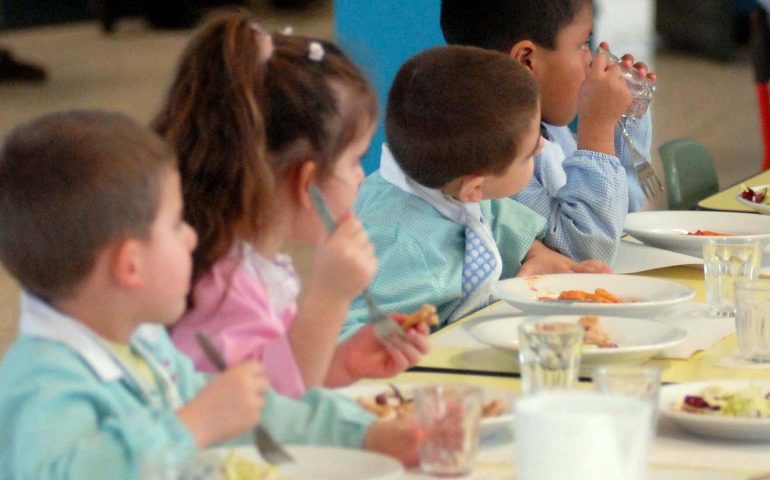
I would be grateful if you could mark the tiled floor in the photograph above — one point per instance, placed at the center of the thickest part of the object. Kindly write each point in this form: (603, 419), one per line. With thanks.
(130, 70)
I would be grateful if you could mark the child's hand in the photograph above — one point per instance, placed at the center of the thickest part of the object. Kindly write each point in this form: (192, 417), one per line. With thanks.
(604, 96)
(396, 438)
(364, 356)
(228, 406)
(628, 62)
(541, 260)
(344, 262)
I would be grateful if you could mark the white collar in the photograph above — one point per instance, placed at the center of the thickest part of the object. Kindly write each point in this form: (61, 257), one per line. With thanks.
(278, 275)
(464, 213)
(38, 319)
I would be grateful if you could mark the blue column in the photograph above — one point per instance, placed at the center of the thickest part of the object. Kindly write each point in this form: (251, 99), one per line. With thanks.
(380, 35)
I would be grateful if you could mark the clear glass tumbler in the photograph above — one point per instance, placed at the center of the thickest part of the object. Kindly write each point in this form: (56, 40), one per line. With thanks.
(752, 319)
(636, 381)
(549, 354)
(642, 88)
(448, 417)
(727, 260)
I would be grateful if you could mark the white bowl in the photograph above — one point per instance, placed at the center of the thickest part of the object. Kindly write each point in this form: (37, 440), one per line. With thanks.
(643, 297)
(668, 229)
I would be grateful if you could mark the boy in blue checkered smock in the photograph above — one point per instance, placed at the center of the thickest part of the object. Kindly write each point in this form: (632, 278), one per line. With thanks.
(463, 125)
(586, 187)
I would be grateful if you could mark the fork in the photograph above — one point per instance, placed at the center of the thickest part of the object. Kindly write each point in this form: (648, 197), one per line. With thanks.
(384, 327)
(648, 180)
(268, 448)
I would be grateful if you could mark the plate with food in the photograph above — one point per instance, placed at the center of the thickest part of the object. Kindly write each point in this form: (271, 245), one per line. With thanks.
(686, 231)
(755, 198)
(607, 339)
(588, 293)
(390, 400)
(734, 409)
(310, 463)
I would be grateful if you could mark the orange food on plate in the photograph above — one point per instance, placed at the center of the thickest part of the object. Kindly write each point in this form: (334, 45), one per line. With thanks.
(426, 314)
(594, 334)
(600, 295)
(708, 233)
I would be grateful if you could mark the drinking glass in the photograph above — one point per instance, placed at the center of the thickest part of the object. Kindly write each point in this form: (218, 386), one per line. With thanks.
(752, 319)
(727, 260)
(636, 381)
(448, 417)
(549, 354)
(581, 435)
(642, 88)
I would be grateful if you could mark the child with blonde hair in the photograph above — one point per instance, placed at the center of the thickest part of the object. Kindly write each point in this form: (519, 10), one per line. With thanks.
(257, 120)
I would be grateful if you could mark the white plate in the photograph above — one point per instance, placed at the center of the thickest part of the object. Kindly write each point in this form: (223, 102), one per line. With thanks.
(488, 424)
(759, 207)
(637, 339)
(668, 230)
(642, 296)
(327, 463)
(756, 429)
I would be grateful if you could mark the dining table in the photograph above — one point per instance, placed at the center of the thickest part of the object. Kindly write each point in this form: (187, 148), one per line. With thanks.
(725, 201)
(458, 358)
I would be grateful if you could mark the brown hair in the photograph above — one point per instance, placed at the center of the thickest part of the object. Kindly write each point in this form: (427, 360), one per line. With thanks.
(454, 111)
(241, 122)
(70, 184)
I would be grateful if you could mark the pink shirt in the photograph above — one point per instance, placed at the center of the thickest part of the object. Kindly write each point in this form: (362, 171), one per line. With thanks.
(246, 304)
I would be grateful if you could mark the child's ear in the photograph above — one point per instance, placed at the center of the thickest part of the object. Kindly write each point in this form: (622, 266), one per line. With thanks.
(126, 263)
(306, 177)
(523, 52)
(470, 188)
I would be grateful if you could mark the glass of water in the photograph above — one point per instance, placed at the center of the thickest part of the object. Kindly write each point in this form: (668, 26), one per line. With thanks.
(642, 88)
(727, 260)
(448, 417)
(752, 319)
(549, 354)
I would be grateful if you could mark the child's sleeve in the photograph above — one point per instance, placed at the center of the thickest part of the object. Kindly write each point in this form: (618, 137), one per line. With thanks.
(413, 269)
(67, 426)
(641, 133)
(319, 417)
(514, 227)
(586, 215)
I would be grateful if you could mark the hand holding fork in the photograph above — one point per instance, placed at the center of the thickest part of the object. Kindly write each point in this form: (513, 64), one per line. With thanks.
(384, 326)
(270, 450)
(645, 173)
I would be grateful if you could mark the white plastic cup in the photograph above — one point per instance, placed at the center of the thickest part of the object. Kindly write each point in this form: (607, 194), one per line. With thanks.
(581, 435)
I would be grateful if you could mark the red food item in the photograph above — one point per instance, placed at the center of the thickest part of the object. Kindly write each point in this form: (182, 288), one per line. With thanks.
(708, 233)
(696, 403)
(756, 196)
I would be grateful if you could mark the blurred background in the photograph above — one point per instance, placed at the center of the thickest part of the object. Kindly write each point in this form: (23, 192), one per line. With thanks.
(120, 55)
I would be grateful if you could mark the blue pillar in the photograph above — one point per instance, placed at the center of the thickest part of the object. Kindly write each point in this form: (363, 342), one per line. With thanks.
(380, 35)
